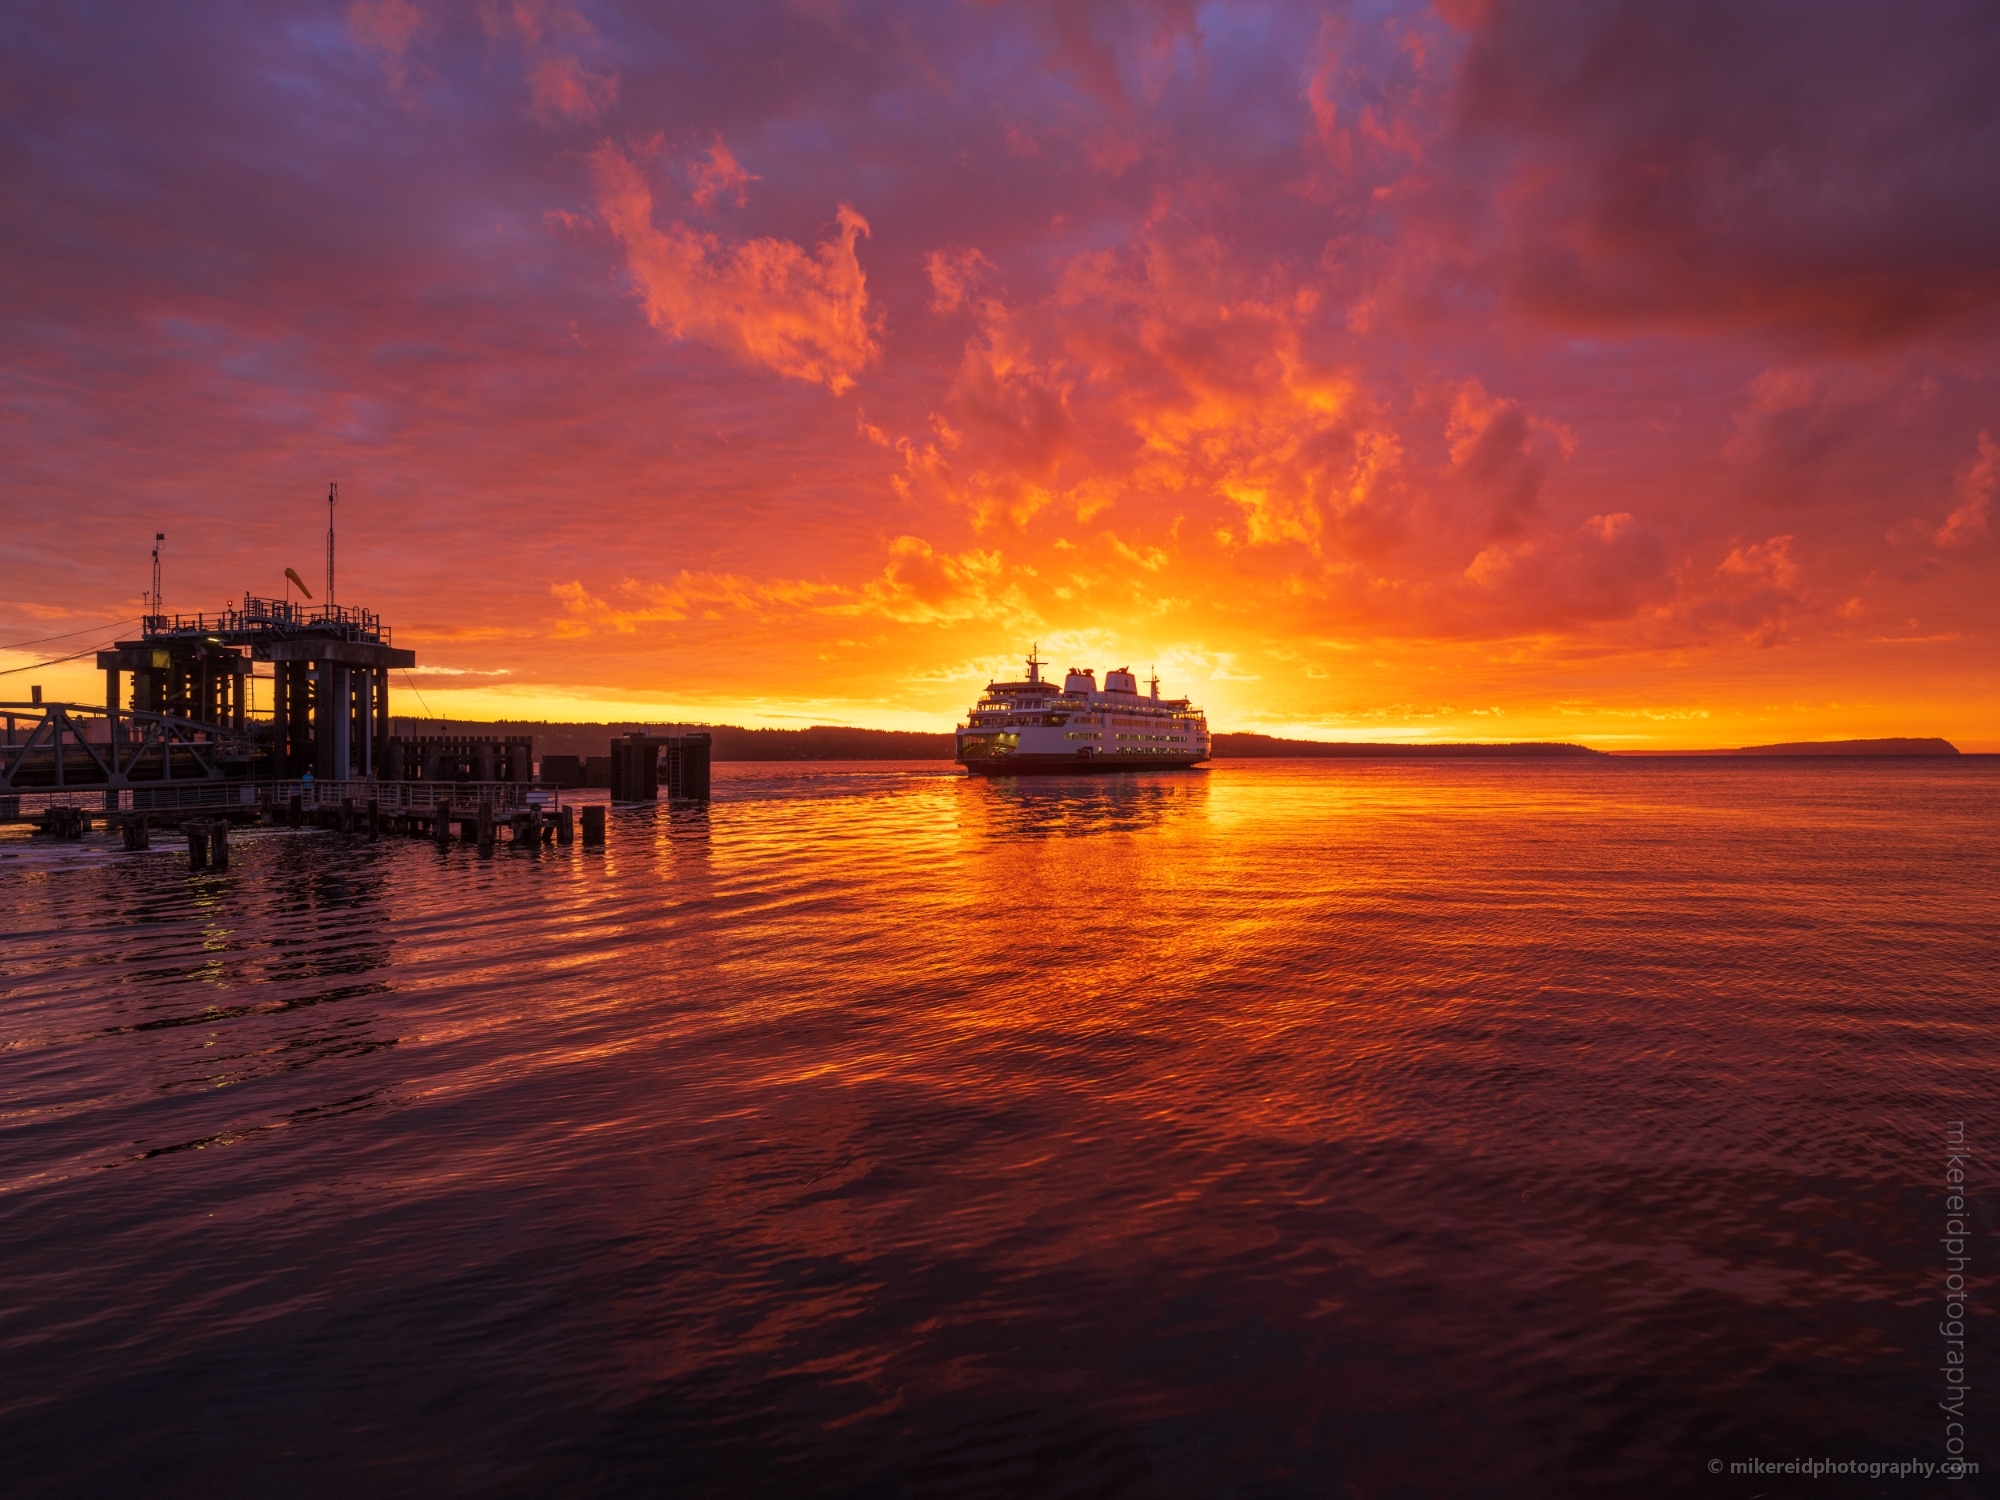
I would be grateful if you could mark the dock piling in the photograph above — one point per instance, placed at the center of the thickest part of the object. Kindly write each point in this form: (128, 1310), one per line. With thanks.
(218, 844)
(593, 823)
(65, 823)
(197, 837)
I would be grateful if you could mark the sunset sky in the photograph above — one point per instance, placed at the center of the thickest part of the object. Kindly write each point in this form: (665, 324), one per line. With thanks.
(1622, 374)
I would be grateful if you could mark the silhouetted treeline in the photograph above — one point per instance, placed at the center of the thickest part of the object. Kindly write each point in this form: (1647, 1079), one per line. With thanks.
(1251, 746)
(830, 742)
(822, 742)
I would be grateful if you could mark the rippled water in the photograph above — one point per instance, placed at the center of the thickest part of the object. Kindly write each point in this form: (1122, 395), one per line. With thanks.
(1284, 1129)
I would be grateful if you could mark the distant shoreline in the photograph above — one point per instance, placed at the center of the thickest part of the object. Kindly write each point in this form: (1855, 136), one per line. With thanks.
(1851, 749)
(1259, 746)
(833, 743)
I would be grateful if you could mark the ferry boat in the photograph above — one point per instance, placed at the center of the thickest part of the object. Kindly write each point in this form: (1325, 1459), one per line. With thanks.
(1029, 727)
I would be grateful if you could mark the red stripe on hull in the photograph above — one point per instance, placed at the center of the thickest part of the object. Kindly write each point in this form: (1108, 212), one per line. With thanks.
(1070, 765)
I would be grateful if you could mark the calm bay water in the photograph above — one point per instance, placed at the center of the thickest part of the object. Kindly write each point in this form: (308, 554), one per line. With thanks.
(1375, 1129)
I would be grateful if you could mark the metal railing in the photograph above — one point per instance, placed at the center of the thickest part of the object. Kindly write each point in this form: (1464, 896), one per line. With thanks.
(260, 617)
(250, 796)
(165, 796)
(411, 796)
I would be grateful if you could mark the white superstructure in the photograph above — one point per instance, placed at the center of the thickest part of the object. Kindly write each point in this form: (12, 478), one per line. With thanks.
(1031, 725)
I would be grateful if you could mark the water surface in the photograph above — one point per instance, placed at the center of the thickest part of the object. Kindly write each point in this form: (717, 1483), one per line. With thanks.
(1288, 1128)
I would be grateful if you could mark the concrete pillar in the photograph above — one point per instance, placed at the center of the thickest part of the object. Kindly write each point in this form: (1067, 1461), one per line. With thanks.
(322, 767)
(111, 714)
(340, 708)
(364, 702)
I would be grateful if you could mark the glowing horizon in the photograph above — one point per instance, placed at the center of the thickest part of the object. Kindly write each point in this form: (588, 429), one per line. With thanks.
(1479, 373)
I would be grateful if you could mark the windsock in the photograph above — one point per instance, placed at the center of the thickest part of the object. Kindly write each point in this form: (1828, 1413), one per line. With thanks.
(293, 575)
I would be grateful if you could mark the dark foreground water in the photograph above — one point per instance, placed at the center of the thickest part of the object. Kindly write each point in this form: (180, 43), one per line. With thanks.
(1286, 1129)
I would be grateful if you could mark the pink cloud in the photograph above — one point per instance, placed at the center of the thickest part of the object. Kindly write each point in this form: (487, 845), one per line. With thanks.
(562, 88)
(1976, 483)
(1502, 455)
(388, 26)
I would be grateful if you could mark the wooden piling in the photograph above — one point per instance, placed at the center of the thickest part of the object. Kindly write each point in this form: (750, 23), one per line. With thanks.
(593, 823)
(137, 835)
(65, 823)
(197, 837)
(441, 823)
(218, 844)
(486, 828)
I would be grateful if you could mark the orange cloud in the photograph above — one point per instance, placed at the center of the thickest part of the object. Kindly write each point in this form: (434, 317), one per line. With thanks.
(766, 301)
(719, 177)
(1227, 403)
(1770, 562)
(691, 596)
(923, 586)
(953, 273)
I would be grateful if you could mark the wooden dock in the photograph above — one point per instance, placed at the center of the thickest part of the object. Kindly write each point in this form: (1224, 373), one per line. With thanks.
(482, 814)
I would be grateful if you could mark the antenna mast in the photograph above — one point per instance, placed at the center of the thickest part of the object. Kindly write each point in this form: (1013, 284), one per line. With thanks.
(332, 499)
(158, 537)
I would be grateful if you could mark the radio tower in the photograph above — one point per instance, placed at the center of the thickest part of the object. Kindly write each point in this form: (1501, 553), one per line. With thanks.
(158, 537)
(332, 499)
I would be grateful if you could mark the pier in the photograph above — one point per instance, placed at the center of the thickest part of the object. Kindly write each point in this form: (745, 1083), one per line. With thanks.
(188, 750)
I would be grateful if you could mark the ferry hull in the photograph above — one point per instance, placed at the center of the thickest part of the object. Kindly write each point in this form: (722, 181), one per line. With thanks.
(1073, 765)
